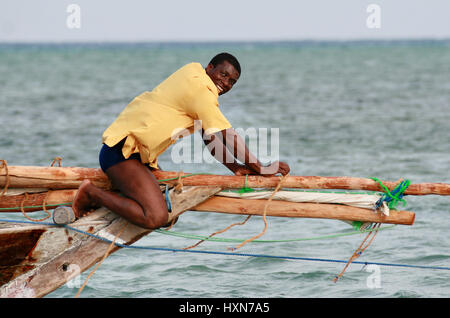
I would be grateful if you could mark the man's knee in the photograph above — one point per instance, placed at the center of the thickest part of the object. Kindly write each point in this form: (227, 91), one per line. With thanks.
(156, 220)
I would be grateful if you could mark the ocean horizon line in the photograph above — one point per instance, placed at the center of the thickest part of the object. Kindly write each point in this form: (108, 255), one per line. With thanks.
(291, 43)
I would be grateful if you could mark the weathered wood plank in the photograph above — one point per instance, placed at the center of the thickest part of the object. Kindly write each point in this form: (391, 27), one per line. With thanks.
(35, 201)
(25, 247)
(71, 177)
(302, 210)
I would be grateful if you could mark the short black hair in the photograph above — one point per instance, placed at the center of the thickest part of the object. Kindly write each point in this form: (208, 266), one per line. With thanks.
(221, 57)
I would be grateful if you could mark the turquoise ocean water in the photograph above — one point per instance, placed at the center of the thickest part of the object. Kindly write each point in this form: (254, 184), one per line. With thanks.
(360, 109)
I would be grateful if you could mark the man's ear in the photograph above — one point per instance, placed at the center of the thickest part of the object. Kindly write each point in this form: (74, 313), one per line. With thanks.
(209, 67)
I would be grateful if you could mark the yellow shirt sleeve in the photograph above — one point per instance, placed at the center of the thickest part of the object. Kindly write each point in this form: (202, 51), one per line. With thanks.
(148, 122)
(205, 108)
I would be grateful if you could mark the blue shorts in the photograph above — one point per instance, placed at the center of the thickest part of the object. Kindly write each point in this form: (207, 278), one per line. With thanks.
(109, 156)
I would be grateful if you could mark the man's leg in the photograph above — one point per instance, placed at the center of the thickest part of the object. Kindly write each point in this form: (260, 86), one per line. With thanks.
(142, 202)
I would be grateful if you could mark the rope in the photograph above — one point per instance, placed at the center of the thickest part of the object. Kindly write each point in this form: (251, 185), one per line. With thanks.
(174, 250)
(238, 240)
(264, 214)
(166, 249)
(395, 196)
(169, 207)
(101, 261)
(245, 189)
(179, 184)
(218, 232)
(57, 159)
(242, 190)
(177, 189)
(25, 197)
(223, 240)
(5, 165)
(359, 250)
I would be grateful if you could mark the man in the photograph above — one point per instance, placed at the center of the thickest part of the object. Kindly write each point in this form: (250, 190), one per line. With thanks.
(147, 126)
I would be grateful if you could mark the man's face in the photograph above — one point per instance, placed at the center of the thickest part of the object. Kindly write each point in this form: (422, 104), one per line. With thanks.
(224, 76)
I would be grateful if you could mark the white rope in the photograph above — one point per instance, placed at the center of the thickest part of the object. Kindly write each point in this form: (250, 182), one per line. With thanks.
(365, 201)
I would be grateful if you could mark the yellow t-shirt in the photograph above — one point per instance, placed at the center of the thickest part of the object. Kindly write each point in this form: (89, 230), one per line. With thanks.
(153, 120)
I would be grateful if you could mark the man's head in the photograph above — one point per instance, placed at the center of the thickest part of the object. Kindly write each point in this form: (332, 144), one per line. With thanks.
(224, 70)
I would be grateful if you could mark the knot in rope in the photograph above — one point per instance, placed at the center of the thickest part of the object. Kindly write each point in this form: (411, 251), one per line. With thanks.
(392, 197)
(179, 184)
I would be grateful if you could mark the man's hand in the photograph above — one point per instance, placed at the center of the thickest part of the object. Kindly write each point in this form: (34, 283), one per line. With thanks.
(229, 142)
(242, 170)
(274, 168)
(268, 171)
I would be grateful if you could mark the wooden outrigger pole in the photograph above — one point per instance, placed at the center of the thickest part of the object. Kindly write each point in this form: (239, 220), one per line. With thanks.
(35, 201)
(71, 177)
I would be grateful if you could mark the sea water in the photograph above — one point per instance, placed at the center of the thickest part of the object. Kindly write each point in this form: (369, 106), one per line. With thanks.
(359, 109)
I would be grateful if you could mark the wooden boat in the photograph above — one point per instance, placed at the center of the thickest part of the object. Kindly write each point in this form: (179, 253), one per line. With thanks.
(36, 259)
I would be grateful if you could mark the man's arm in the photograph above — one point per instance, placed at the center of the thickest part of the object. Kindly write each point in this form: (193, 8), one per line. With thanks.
(227, 145)
(218, 150)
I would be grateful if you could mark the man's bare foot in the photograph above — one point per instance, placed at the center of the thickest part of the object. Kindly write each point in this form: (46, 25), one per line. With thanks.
(82, 203)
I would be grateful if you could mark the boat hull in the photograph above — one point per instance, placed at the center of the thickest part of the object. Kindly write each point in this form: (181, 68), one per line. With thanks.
(37, 259)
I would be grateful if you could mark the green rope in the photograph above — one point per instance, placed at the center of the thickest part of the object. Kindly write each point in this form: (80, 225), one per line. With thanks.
(237, 240)
(245, 189)
(395, 196)
(357, 224)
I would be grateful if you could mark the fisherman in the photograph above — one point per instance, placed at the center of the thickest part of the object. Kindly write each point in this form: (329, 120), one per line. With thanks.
(146, 128)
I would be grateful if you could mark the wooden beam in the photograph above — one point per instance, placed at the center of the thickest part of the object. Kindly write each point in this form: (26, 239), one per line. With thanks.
(228, 205)
(34, 201)
(302, 210)
(304, 182)
(51, 177)
(71, 177)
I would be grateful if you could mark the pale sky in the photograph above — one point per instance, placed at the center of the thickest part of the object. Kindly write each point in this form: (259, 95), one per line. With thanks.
(232, 20)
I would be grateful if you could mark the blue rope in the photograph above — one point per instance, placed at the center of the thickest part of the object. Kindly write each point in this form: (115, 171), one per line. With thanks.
(394, 196)
(166, 249)
(168, 202)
